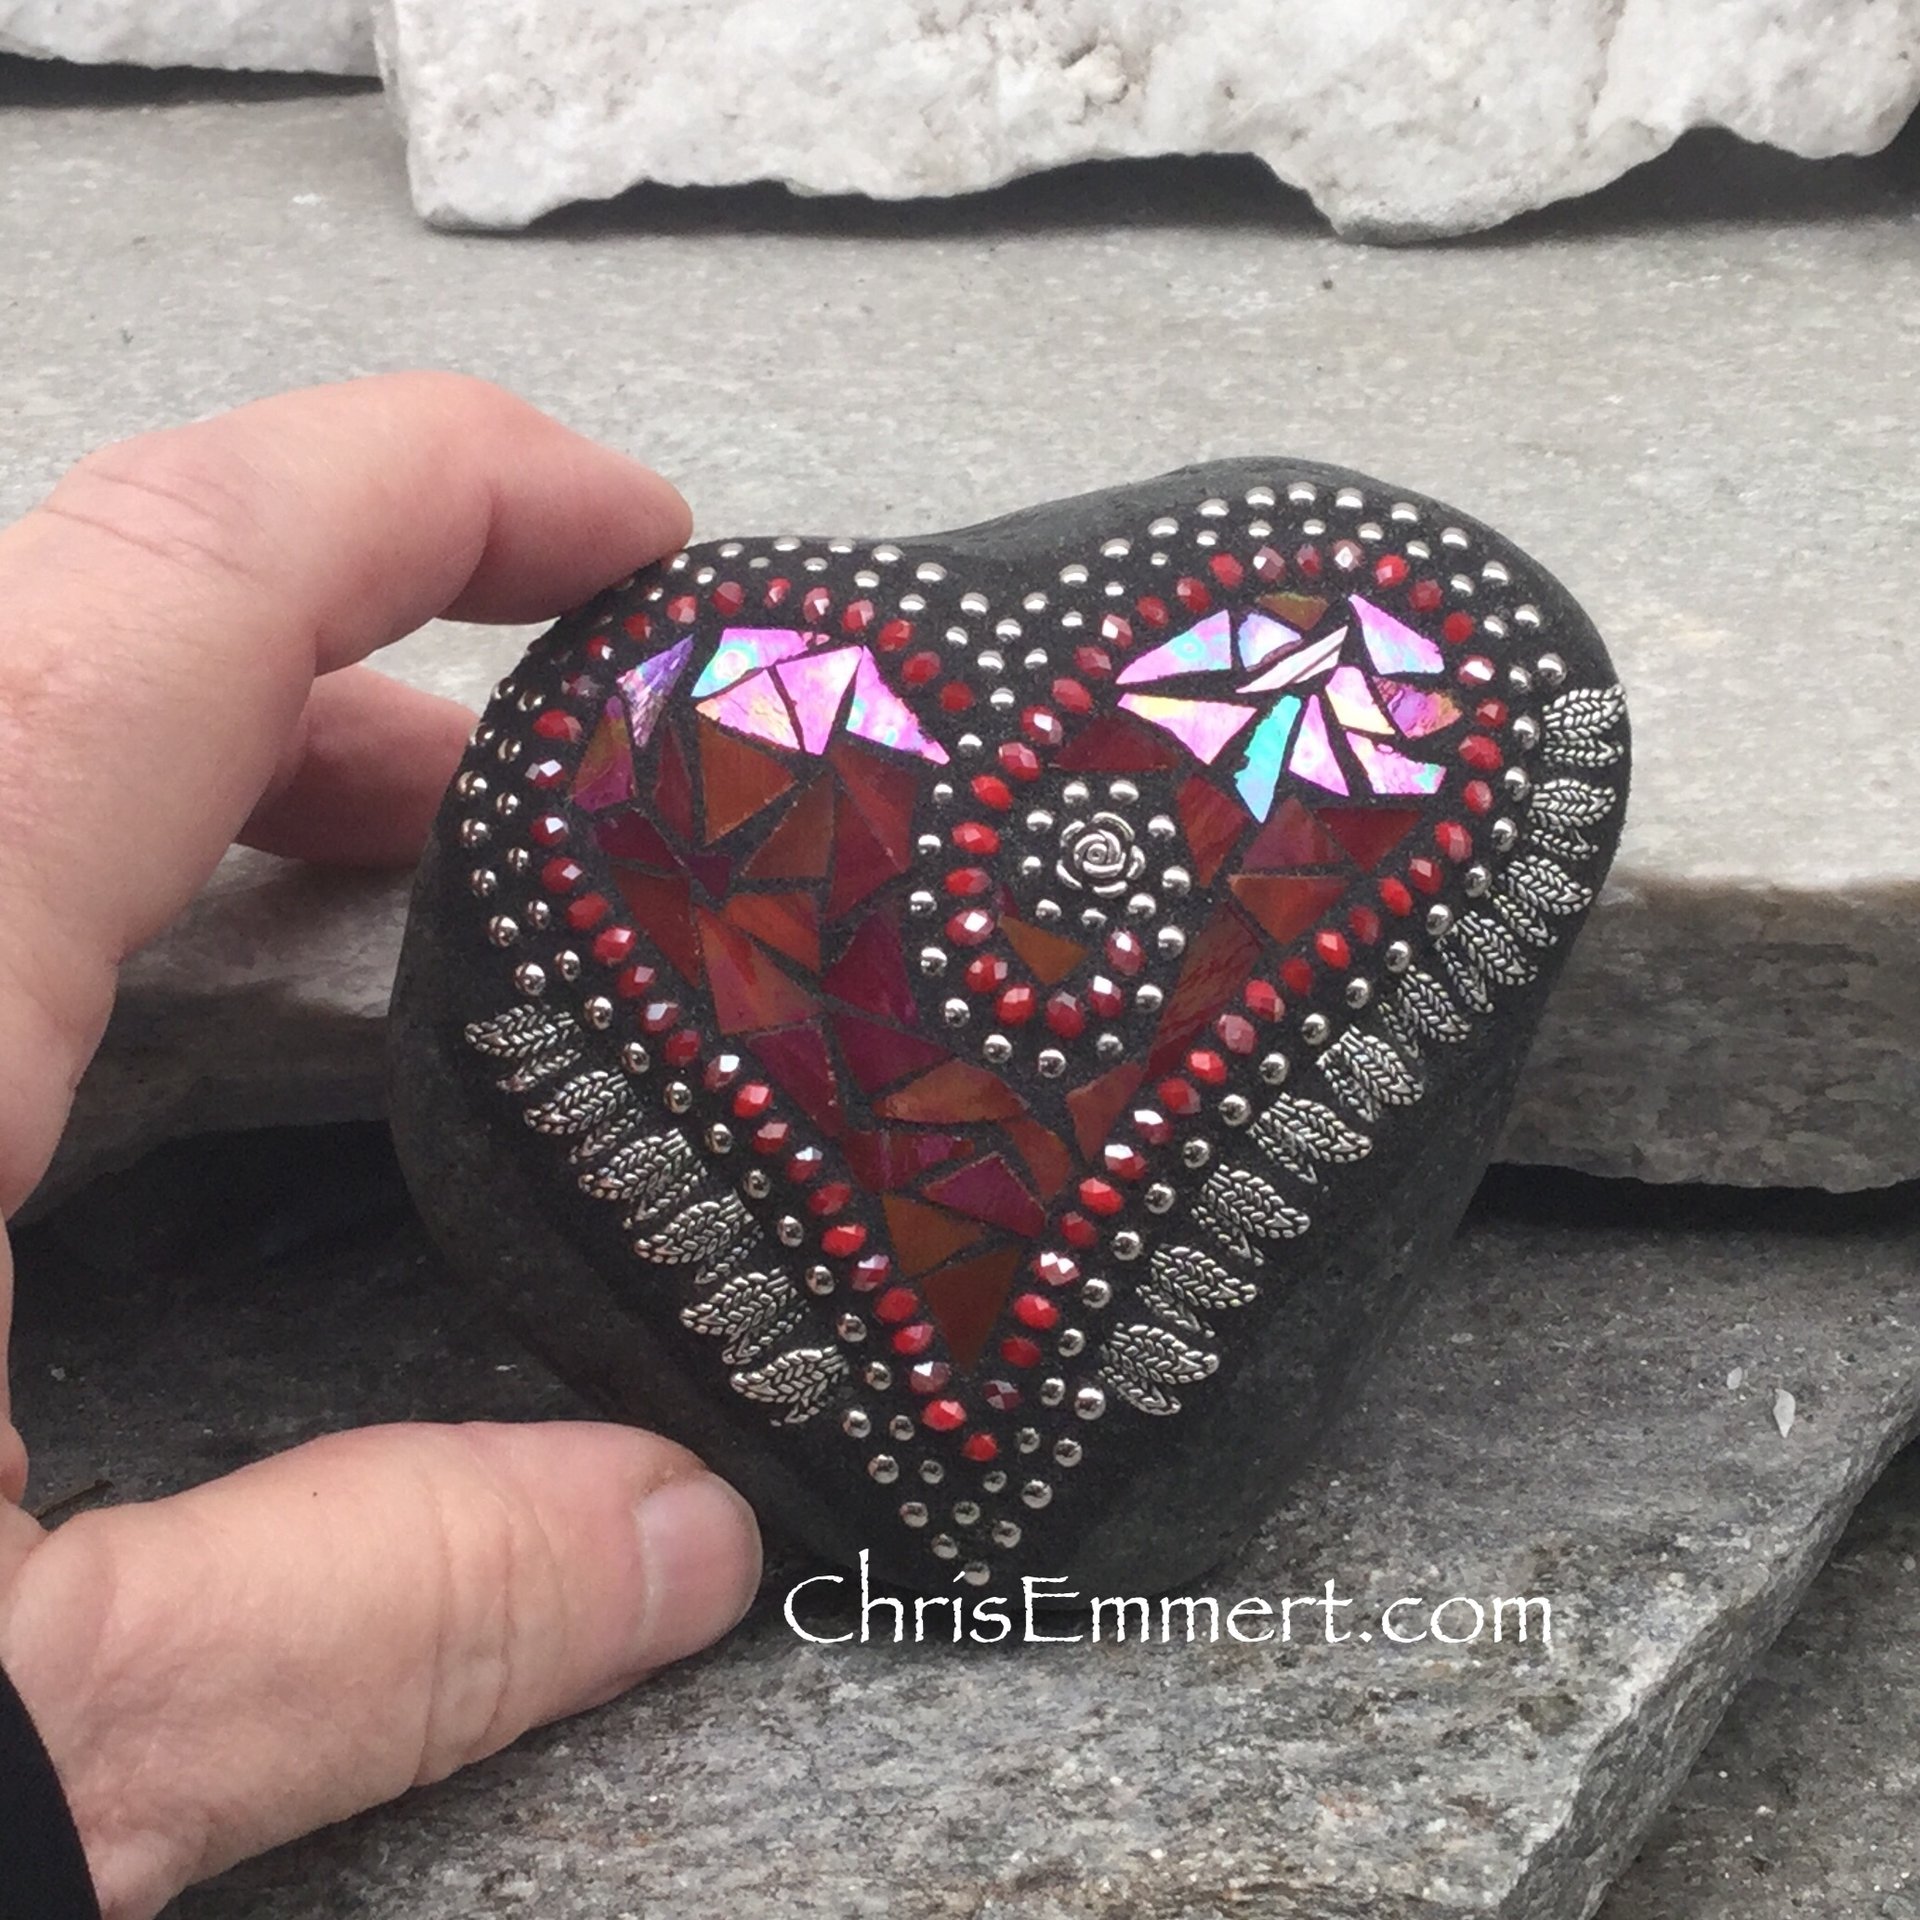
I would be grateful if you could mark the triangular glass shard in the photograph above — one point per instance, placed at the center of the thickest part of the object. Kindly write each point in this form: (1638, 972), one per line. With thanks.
(989, 1190)
(713, 871)
(1206, 648)
(884, 1158)
(749, 990)
(953, 1095)
(1098, 1104)
(884, 791)
(1390, 771)
(1048, 957)
(1115, 744)
(663, 906)
(1306, 662)
(1299, 610)
(872, 972)
(1353, 703)
(604, 777)
(745, 650)
(1392, 645)
(1212, 822)
(647, 686)
(630, 835)
(1262, 637)
(1218, 963)
(1285, 905)
(815, 685)
(736, 780)
(800, 846)
(1368, 833)
(755, 707)
(877, 1056)
(878, 714)
(787, 922)
(795, 1059)
(673, 784)
(1292, 839)
(1311, 755)
(1045, 1153)
(1203, 727)
(923, 1236)
(966, 1299)
(1266, 755)
(861, 861)
(1418, 711)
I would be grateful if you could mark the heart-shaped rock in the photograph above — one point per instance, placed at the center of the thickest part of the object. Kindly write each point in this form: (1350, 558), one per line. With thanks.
(977, 1035)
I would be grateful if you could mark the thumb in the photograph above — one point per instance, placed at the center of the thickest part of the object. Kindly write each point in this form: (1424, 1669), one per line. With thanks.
(220, 1671)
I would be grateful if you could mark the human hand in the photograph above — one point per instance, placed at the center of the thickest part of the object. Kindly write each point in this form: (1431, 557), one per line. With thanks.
(180, 630)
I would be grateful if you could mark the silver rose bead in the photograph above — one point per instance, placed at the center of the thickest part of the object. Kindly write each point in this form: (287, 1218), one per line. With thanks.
(1099, 855)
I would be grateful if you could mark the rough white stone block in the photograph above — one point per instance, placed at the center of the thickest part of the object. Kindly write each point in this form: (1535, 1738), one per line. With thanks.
(309, 36)
(1400, 119)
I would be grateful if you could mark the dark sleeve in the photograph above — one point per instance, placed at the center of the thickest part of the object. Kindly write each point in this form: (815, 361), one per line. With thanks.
(43, 1872)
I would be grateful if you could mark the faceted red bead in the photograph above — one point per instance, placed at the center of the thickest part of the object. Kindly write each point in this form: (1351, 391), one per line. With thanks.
(929, 1376)
(983, 1447)
(1491, 713)
(682, 1048)
(1042, 727)
(634, 981)
(1100, 1196)
(658, 1015)
(636, 626)
(829, 1198)
(1095, 662)
(805, 1165)
(1453, 840)
(1307, 559)
(1055, 1268)
(1071, 697)
(1065, 1015)
(991, 791)
(1347, 554)
(1125, 952)
(547, 773)
(1478, 751)
(1193, 595)
(1077, 1230)
(770, 1136)
(1014, 1008)
(612, 947)
(1207, 1066)
(1227, 570)
(858, 617)
(547, 831)
(1235, 1032)
(894, 635)
(1476, 671)
(971, 928)
(1117, 630)
(1018, 1351)
(722, 1070)
(1036, 1310)
(915, 1337)
(1179, 1096)
(683, 607)
(1104, 997)
(1332, 948)
(1395, 897)
(919, 668)
(977, 838)
(1390, 569)
(752, 1100)
(1477, 797)
(600, 649)
(1364, 924)
(1269, 566)
(1152, 1126)
(985, 972)
(729, 596)
(870, 1271)
(896, 1305)
(845, 1239)
(1457, 627)
(1020, 760)
(1298, 974)
(1424, 595)
(968, 883)
(1262, 999)
(587, 911)
(1122, 1161)
(817, 604)
(1425, 874)
(943, 1416)
(956, 697)
(555, 725)
(1153, 610)
(777, 590)
(562, 875)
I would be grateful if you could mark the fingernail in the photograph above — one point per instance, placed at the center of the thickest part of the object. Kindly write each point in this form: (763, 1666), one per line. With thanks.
(700, 1548)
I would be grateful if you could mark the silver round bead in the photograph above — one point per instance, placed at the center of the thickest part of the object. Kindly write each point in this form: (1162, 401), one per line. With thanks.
(884, 1468)
(1006, 1533)
(1096, 1293)
(1526, 733)
(1399, 956)
(997, 1048)
(1273, 1069)
(1439, 919)
(503, 930)
(679, 1096)
(597, 1011)
(1358, 993)
(1316, 1029)
(1068, 1451)
(1235, 1109)
(878, 1375)
(933, 962)
(1176, 881)
(920, 901)
(483, 883)
(820, 1280)
(1052, 1063)
(1089, 1403)
(790, 1231)
(1036, 1493)
(956, 1013)
(1170, 941)
(1476, 880)
(932, 1472)
(719, 1138)
(635, 1058)
(913, 1513)
(531, 978)
(1027, 1439)
(1196, 1153)
(1503, 833)
(966, 1513)
(757, 1185)
(1071, 1342)
(1148, 998)
(1127, 1245)
(1159, 1197)
(475, 833)
(856, 1423)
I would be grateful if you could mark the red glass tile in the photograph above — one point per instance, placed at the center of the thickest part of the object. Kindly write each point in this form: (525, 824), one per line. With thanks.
(1283, 904)
(877, 1056)
(988, 1189)
(1098, 1104)
(952, 1095)
(1369, 834)
(966, 1298)
(1212, 821)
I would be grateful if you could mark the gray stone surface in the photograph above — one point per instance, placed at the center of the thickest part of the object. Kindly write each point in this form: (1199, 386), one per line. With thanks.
(1395, 125)
(313, 36)
(1556, 1420)
(1806, 1801)
(1692, 397)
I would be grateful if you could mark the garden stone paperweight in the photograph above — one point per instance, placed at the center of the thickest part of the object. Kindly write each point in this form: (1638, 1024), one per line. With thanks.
(979, 1035)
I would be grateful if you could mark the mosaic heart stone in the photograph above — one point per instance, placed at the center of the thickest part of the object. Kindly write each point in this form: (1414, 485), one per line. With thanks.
(978, 1035)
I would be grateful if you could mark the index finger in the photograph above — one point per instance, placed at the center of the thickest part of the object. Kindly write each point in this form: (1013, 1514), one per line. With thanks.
(164, 612)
